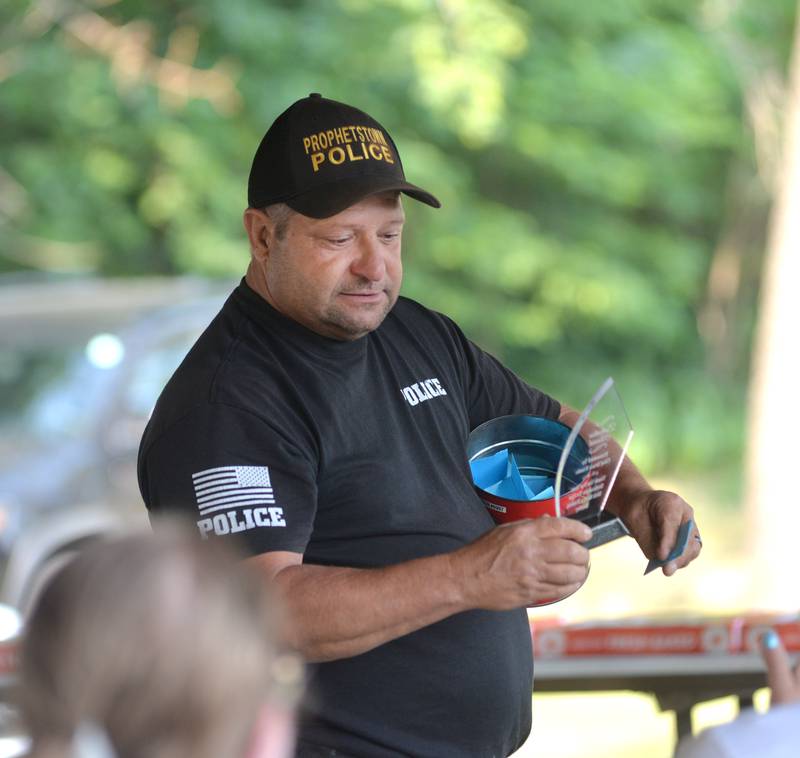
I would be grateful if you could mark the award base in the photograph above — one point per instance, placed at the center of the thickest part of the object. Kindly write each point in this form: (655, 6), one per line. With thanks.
(605, 527)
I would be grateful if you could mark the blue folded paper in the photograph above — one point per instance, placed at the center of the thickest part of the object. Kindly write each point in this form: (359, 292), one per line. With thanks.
(499, 474)
(677, 550)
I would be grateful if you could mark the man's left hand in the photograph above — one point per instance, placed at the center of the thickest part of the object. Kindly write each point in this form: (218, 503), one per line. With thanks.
(653, 518)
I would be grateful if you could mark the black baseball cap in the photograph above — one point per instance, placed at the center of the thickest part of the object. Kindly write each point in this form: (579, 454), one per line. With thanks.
(321, 156)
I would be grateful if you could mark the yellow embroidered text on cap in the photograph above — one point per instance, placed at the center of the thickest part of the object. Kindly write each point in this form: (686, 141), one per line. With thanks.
(360, 143)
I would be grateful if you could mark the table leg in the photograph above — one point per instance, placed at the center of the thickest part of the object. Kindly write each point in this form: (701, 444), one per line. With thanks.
(683, 723)
(745, 701)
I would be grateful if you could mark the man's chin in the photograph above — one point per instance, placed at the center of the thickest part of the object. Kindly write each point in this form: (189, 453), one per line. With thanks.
(354, 325)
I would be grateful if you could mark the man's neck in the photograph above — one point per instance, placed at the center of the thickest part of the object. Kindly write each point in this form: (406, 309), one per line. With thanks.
(255, 280)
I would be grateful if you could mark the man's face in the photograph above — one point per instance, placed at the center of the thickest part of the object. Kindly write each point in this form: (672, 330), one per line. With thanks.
(338, 276)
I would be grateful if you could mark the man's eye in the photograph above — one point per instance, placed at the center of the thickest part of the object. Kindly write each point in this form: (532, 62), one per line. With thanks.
(338, 240)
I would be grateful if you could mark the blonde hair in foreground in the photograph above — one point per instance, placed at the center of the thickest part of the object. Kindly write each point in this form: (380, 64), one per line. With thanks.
(164, 643)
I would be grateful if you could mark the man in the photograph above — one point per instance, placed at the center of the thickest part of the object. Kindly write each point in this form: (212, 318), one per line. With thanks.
(323, 421)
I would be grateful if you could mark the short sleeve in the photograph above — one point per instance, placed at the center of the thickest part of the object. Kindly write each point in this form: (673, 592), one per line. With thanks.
(234, 475)
(493, 390)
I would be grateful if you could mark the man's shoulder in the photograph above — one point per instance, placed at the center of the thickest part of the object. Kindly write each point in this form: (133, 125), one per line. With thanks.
(409, 310)
(205, 376)
(201, 366)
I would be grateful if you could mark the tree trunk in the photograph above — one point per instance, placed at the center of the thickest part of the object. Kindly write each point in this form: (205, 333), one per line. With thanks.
(773, 460)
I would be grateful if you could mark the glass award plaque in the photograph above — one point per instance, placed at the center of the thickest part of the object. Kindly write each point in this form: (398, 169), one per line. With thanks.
(590, 462)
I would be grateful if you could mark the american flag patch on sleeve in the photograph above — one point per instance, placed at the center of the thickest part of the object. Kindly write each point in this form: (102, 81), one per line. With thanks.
(226, 487)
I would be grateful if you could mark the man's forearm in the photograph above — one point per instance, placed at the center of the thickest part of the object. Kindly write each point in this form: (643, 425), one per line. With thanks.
(630, 483)
(337, 612)
(629, 486)
(653, 517)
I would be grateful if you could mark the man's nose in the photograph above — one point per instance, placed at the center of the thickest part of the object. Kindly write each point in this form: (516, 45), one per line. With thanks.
(369, 263)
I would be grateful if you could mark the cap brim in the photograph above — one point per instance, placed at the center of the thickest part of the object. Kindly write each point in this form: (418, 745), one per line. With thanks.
(336, 197)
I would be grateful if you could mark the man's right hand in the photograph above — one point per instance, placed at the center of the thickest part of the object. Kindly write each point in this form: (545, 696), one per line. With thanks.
(524, 563)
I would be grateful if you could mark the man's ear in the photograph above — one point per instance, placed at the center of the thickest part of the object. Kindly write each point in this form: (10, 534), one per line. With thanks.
(260, 231)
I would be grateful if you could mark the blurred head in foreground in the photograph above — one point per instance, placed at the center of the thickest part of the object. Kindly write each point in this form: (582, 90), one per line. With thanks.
(157, 646)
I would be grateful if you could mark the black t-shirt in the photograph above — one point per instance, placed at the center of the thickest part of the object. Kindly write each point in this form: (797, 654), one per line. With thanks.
(353, 453)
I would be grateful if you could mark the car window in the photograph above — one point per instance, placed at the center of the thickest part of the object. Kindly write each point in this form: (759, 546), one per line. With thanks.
(68, 405)
(25, 372)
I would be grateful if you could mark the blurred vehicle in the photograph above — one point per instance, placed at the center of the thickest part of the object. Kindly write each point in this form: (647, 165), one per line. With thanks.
(81, 365)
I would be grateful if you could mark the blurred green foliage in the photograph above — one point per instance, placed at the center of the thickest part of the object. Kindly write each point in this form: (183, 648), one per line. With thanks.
(583, 153)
